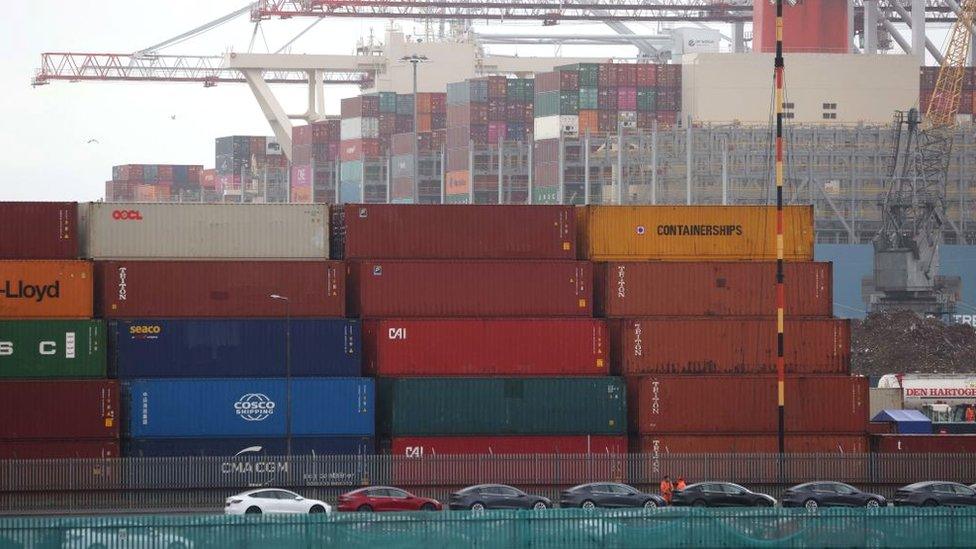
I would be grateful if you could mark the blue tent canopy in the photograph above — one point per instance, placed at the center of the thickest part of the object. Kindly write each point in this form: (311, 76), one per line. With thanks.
(908, 422)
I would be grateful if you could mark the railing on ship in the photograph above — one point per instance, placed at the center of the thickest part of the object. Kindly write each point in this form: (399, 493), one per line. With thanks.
(201, 473)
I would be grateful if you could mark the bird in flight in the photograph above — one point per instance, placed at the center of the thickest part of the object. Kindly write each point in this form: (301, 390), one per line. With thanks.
(92, 142)
(173, 117)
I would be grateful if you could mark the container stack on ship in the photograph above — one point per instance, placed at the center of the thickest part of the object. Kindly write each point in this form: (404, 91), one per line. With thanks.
(489, 130)
(690, 301)
(477, 322)
(58, 401)
(315, 161)
(425, 188)
(226, 329)
(155, 183)
(369, 123)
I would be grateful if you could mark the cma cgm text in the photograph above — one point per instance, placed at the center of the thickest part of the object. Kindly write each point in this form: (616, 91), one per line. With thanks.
(36, 292)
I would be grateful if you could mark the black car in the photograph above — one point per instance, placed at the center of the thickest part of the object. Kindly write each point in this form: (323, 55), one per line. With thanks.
(830, 494)
(935, 493)
(608, 494)
(496, 496)
(720, 494)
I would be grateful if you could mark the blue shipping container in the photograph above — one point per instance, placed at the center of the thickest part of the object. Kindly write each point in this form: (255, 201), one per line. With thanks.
(235, 407)
(150, 348)
(246, 447)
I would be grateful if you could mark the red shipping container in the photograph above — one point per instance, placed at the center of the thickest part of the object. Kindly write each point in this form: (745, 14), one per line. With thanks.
(497, 131)
(667, 118)
(627, 74)
(402, 231)
(547, 81)
(646, 75)
(125, 289)
(485, 347)
(428, 461)
(76, 409)
(924, 444)
(746, 404)
(358, 149)
(360, 106)
(627, 99)
(208, 180)
(687, 345)
(660, 288)
(814, 26)
(59, 449)
(38, 230)
(379, 289)
(750, 444)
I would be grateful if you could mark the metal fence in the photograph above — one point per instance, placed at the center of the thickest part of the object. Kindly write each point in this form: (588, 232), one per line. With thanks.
(556, 528)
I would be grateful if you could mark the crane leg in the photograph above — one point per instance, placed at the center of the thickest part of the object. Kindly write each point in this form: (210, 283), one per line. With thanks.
(271, 108)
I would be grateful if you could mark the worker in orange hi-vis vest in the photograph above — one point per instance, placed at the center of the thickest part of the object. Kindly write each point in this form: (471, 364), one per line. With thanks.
(667, 489)
(681, 484)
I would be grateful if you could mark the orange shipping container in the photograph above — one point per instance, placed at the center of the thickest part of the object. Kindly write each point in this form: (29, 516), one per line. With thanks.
(589, 121)
(693, 233)
(458, 183)
(45, 289)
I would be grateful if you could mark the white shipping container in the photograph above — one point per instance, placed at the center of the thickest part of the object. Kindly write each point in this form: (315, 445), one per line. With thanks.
(627, 119)
(359, 128)
(554, 127)
(204, 231)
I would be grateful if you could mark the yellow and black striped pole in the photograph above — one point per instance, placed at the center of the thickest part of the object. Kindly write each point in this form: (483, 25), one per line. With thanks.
(780, 294)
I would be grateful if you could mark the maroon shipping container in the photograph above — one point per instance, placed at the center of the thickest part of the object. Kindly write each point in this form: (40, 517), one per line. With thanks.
(38, 230)
(396, 288)
(842, 443)
(685, 345)
(924, 444)
(427, 461)
(404, 231)
(360, 106)
(358, 149)
(547, 82)
(218, 288)
(746, 404)
(485, 347)
(59, 449)
(660, 288)
(77, 409)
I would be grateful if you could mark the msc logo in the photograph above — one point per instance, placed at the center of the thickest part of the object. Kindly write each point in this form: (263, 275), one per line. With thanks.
(254, 407)
(127, 215)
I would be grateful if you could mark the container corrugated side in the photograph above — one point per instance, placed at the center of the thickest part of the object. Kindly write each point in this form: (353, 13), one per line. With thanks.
(417, 460)
(65, 409)
(38, 230)
(663, 288)
(747, 404)
(255, 407)
(52, 348)
(693, 233)
(300, 446)
(924, 444)
(497, 406)
(59, 449)
(383, 231)
(160, 289)
(206, 231)
(470, 288)
(482, 347)
(718, 443)
(45, 289)
(704, 345)
(146, 348)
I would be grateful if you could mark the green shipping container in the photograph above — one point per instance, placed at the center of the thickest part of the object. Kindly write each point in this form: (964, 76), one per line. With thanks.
(545, 195)
(646, 99)
(589, 98)
(553, 103)
(388, 101)
(589, 73)
(52, 348)
(501, 406)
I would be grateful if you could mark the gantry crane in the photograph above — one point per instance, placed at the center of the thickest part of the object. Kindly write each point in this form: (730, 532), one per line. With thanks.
(906, 249)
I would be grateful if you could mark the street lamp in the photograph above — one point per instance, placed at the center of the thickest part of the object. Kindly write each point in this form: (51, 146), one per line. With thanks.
(415, 60)
(287, 370)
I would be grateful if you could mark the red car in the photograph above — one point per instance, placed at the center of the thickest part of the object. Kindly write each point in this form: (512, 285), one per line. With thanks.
(385, 498)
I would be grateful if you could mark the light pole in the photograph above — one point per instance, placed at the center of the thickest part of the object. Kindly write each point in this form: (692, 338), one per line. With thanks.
(287, 370)
(415, 60)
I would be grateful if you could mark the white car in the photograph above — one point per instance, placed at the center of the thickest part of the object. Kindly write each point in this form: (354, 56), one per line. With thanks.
(273, 500)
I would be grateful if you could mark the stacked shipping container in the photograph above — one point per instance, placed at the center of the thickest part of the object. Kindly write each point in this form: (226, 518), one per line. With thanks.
(690, 300)
(368, 125)
(473, 308)
(59, 403)
(315, 159)
(154, 183)
(251, 169)
(489, 123)
(592, 99)
(216, 324)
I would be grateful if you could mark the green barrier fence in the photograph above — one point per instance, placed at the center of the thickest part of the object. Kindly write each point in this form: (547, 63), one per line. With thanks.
(556, 528)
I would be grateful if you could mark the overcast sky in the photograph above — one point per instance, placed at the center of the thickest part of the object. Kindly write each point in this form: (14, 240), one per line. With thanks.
(44, 141)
